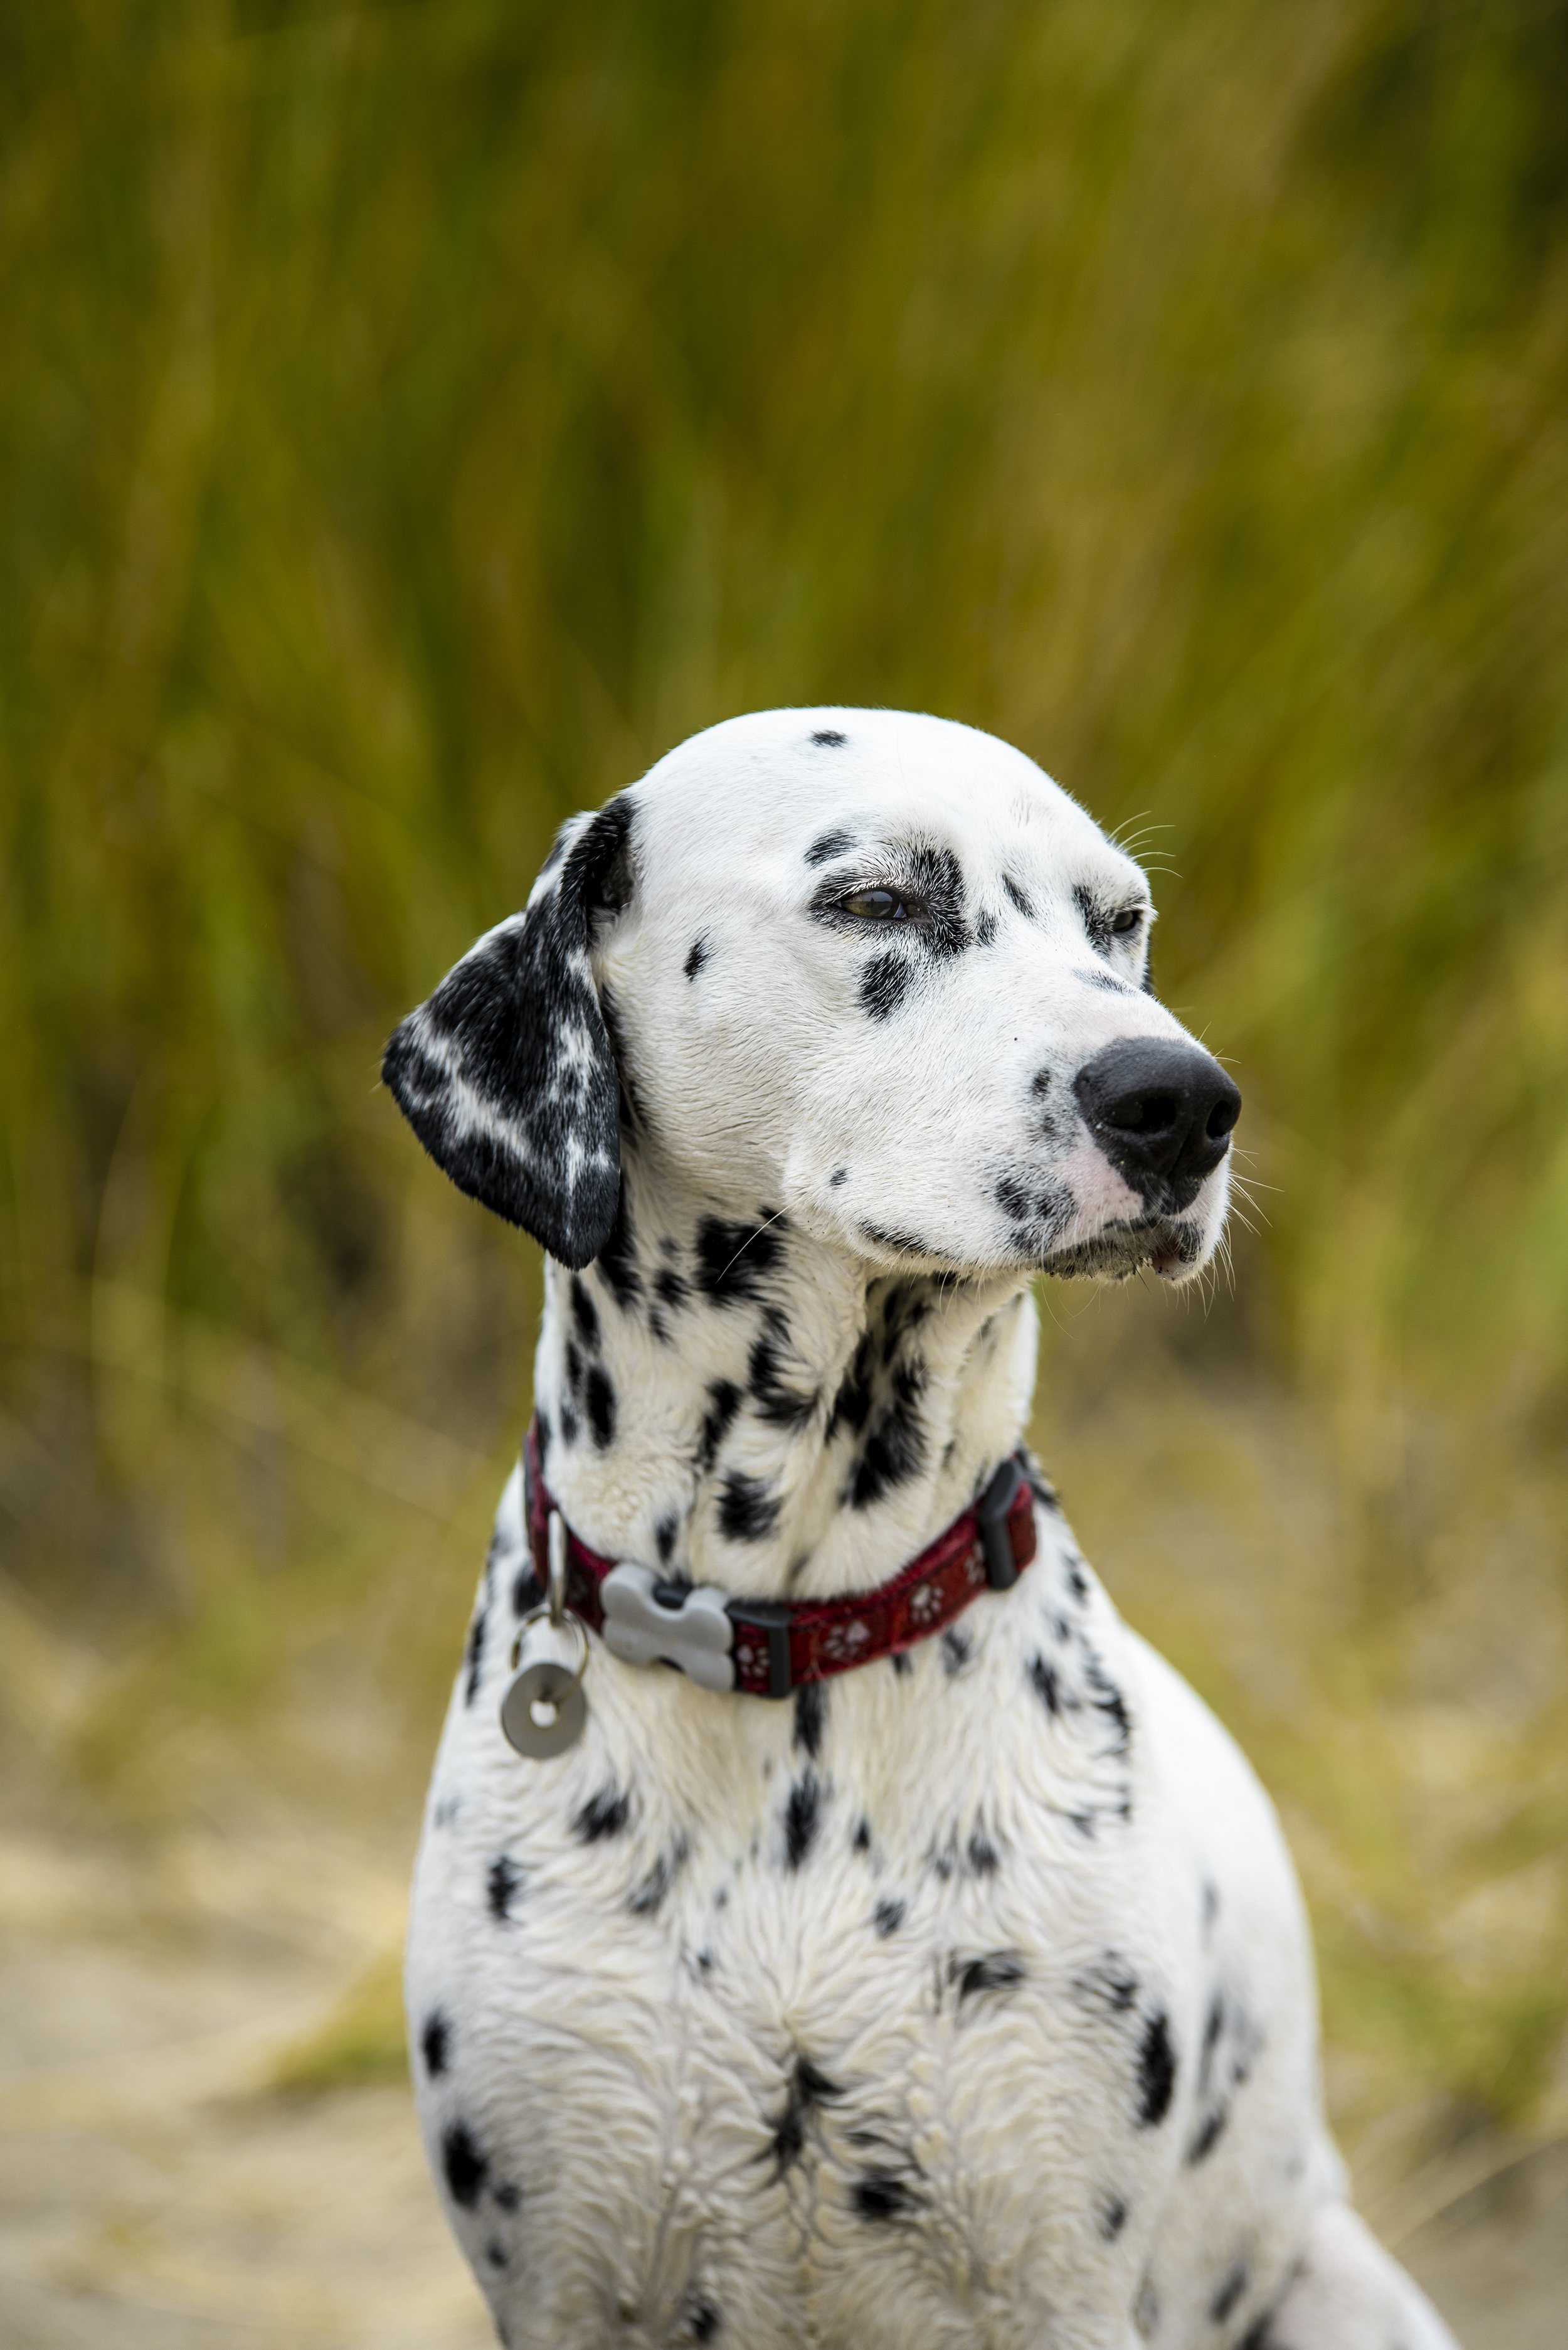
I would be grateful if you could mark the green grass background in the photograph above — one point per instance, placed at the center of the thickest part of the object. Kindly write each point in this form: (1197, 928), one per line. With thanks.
(414, 419)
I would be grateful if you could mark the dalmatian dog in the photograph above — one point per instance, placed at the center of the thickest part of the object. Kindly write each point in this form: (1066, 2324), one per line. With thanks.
(958, 1993)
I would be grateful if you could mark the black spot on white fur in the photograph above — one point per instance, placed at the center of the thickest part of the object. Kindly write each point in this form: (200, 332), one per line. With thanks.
(584, 1314)
(670, 1288)
(1227, 2052)
(828, 738)
(696, 958)
(1111, 2218)
(463, 2166)
(732, 1260)
(616, 1258)
(803, 1815)
(501, 1886)
(1038, 1215)
(829, 844)
(723, 1403)
(604, 1814)
(884, 983)
(1096, 918)
(882, 2197)
(648, 1897)
(435, 2044)
(1044, 1680)
(887, 1917)
(599, 1398)
(1109, 1987)
(805, 2088)
(997, 1971)
(810, 1716)
(473, 1657)
(700, 2318)
(774, 1398)
(900, 1244)
(881, 1394)
(1229, 2292)
(748, 1510)
(1155, 2072)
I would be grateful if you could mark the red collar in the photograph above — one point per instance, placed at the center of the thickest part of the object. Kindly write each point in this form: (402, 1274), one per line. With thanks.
(774, 1646)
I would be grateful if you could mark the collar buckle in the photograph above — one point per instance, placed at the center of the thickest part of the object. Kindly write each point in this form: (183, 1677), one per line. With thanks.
(765, 1623)
(993, 1515)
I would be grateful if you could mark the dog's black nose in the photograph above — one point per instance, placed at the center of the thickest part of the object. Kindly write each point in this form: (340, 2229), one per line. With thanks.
(1161, 1111)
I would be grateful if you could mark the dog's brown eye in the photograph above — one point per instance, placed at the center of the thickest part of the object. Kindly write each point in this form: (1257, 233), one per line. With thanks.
(877, 906)
(1126, 920)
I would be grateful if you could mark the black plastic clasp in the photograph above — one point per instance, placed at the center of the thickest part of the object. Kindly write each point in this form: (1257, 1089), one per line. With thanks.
(992, 1513)
(770, 1617)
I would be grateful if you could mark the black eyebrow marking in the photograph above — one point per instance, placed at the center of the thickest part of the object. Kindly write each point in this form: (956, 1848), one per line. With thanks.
(828, 844)
(1019, 896)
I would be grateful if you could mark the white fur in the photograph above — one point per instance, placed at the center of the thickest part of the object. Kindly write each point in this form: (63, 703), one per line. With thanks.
(1035, 1867)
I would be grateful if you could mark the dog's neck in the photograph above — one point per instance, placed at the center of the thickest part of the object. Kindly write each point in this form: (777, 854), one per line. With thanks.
(741, 1403)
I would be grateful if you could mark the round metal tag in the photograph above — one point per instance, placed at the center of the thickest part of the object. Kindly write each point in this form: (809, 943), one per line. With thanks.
(543, 1711)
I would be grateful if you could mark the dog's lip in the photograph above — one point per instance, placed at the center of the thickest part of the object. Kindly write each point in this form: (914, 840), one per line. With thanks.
(1166, 1244)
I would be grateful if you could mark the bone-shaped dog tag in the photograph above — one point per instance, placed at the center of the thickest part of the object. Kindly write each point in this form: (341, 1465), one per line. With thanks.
(544, 1710)
(692, 1632)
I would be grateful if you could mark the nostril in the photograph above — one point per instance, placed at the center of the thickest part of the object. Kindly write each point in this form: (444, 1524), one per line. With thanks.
(1143, 1113)
(1223, 1117)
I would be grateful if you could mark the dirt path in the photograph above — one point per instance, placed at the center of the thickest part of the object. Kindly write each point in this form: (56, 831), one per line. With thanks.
(155, 2190)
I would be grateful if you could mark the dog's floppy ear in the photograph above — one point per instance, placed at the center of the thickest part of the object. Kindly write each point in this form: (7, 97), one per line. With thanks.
(507, 1073)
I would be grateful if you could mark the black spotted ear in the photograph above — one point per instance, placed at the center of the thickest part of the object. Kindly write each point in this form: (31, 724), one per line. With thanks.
(507, 1073)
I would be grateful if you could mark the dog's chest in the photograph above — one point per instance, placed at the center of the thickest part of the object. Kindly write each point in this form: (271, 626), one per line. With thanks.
(863, 2008)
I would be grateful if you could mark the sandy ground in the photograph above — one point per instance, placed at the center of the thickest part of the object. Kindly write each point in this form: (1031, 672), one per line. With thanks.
(158, 2193)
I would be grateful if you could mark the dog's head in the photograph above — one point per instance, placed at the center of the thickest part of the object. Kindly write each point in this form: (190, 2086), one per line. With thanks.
(876, 970)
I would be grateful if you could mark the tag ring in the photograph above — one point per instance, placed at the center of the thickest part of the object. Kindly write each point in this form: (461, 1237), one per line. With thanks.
(570, 1623)
(553, 1609)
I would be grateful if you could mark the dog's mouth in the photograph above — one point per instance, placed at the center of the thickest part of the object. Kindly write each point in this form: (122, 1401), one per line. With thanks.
(1169, 1248)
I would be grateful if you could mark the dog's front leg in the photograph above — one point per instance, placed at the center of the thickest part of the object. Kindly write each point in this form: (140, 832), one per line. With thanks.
(1348, 2294)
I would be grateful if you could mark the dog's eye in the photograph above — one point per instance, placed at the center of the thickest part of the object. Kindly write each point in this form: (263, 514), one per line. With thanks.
(877, 905)
(1127, 921)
